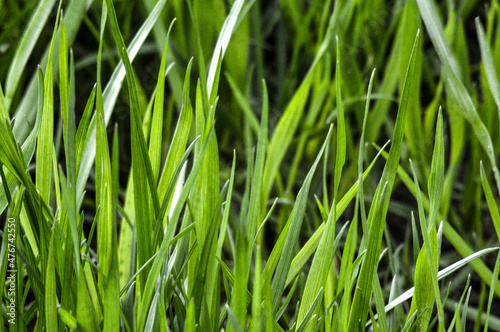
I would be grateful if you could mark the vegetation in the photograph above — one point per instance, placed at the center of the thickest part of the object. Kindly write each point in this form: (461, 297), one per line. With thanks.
(267, 166)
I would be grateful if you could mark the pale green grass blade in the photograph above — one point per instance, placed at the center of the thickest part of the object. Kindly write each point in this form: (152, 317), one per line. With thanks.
(294, 224)
(46, 136)
(51, 302)
(180, 137)
(378, 211)
(83, 127)
(253, 217)
(441, 274)
(67, 318)
(436, 177)
(3, 104)
(171, 226)
(247, 228)
(427, 262)
(489, 65)
(25, 48)
(190, 325)
(155, 140)
(67, 100)
(227, 207)
(85, 313)
(456, 87)
(309, 317)
(256, 323)
(221, 46)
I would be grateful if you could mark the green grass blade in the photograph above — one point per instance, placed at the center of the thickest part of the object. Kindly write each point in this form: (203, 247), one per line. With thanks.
(494, 282)
(378, 211)
(456, 87)
(110, 95)
(489, 65)
(490, 199)
(46, 136)
(221, 46)
(155, 140)
(25, 47)
(51, 288)
(294, 224)
(322, 260)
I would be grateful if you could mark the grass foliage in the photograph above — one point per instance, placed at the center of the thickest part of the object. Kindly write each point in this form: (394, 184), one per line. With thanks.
(250, 165)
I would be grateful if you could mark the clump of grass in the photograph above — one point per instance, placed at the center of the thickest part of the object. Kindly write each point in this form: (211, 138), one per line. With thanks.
(240, 192)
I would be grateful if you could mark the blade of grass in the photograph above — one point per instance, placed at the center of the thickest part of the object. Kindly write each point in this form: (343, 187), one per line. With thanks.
(292, 230)
(322, 260)
(378, 211)
(25, 48)
(454, 84)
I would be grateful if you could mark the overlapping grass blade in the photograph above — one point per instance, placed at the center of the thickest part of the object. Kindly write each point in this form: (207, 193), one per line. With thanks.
(454, 84)
(292, 230)
(25, 48)
(378, 211)
(45, 142)
(489, 65)
(324, 254)
(111, 92)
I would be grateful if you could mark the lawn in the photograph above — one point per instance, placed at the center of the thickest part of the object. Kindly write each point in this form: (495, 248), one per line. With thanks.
(246, 165)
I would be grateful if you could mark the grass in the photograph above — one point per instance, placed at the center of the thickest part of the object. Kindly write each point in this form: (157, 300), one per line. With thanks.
(267, 166)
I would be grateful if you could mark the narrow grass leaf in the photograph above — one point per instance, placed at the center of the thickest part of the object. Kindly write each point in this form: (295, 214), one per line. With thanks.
(455, 85)
(322, 260)
(490, 199)
(294, 224)
(378, 211)
(25, 47)
(489, 65)
(46, 137)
